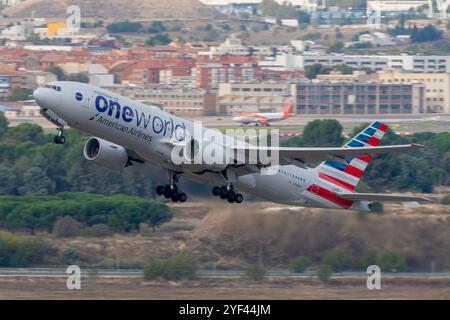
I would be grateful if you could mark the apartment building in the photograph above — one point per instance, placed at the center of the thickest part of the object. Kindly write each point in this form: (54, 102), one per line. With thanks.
(235, 98)
(211, 71)
(181, 102)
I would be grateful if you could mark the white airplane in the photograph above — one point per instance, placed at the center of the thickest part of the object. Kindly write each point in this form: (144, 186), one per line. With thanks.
(126, 132)
(264, 119)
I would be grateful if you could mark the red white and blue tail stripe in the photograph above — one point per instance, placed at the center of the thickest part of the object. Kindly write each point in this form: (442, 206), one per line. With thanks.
(347, 175)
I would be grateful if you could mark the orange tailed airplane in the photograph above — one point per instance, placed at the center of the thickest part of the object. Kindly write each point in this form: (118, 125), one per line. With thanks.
(264, 119)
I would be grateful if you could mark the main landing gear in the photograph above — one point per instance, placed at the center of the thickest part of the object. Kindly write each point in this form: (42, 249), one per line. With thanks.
(228, 192)
(59, 138)
(171, 191)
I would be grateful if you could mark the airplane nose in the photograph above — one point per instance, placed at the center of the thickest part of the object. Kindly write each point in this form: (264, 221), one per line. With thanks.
(236, 118)
(39, 96)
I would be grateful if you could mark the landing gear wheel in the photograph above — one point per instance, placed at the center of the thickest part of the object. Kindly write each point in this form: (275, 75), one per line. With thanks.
(223, 193)
(231, 196)
(182, 197)
(160, 190)
(239, 198)
(59, 140)
(216, 190)
(175, 195)
(167, 192)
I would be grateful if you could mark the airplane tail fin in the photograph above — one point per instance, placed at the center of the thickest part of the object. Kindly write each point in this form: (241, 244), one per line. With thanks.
(348, 173)
(288, 109)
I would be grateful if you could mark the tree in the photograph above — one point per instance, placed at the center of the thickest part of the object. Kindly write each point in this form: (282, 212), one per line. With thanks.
(299, 264)
(66, 227)
(3, 124)
(391, 261)
(312, 71)
(126, 26)
(303, 17)
(25, 132)
(70, 255)
(337, 259)
(8, 179)
(335, 47)
(58, 72)
(255, 272)
(159, 39)
(428, 33)
(155, 27)
(324, 133)
(18, 94)
(176, 267)
(324, 272)
(35, 181)
(79, 77)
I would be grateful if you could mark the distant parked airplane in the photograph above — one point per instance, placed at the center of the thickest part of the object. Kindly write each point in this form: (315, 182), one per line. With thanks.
(263, 119)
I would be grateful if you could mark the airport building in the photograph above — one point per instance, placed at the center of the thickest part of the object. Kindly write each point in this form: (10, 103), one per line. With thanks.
(235, 98)
(359, 98)
(181, 102)
(437, 87)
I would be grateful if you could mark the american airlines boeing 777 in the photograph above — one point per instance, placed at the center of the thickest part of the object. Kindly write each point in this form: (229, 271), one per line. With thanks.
(127, 131)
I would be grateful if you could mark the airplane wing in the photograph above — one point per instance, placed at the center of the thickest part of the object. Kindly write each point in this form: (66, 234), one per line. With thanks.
(382, 197)
(307, 157)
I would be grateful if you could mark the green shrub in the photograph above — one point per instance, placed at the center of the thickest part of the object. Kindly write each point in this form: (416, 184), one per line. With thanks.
(255, 272)
(70, 255)
(66, 227)
(376, 207)
(338, 260)
(120, 213)
(97, 230)
(176, 267)
(446, 199)
(18, 251)
(144, 229)
(299, 264)
(324, 272)
(391, 261)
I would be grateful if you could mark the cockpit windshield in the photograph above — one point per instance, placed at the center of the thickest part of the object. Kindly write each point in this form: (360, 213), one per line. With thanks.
(56, 88)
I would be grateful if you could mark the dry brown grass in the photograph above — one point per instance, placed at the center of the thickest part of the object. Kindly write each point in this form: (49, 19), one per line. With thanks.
(232, 236)
(116, 9)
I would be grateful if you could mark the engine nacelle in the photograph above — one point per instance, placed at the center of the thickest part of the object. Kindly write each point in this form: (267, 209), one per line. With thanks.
(202, 156)
(105, 153)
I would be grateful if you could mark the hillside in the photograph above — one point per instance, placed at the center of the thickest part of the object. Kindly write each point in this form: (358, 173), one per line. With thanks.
(114, 9)
(229, 238)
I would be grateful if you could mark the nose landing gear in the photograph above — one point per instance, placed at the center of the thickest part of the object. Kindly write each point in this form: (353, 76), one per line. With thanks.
(227, 193)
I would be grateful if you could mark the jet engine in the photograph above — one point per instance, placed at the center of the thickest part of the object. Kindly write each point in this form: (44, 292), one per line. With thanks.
(106, 154)
(203, 156)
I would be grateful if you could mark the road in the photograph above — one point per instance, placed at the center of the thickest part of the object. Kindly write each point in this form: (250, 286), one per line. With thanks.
(230, 274)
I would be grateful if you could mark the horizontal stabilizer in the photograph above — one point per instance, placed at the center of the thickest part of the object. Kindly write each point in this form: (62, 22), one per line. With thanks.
(382, 197)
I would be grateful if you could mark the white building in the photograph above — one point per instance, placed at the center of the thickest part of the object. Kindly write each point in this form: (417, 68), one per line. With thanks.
(99, 76)
(417, 63)
(395, 6)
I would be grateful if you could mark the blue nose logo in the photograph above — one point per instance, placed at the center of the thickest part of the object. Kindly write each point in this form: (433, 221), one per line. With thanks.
(79, 96)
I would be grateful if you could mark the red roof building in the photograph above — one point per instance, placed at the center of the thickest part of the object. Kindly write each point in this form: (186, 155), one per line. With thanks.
(210, 71)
